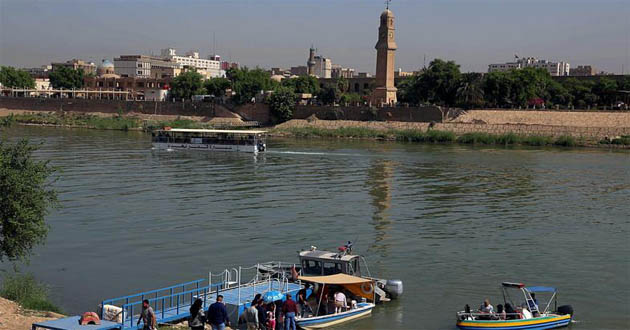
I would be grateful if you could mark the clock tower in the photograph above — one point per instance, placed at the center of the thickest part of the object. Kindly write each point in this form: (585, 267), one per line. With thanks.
(385, 91)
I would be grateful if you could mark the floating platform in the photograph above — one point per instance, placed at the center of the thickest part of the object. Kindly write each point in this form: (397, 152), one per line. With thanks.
(72, 323)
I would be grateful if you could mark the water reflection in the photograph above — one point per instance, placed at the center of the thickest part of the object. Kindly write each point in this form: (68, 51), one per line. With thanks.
(379, 181)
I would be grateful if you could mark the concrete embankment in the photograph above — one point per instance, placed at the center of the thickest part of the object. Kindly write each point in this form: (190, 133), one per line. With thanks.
(593, 126)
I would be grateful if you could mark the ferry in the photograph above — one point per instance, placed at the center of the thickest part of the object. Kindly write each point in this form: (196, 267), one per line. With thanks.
(525, 315)
(210, 140)
(315, 262)
(321, 316)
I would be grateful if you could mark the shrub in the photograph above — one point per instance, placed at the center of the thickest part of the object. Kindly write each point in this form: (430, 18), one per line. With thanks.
(476, 138)
(566, 141)
(28, 292)
(537, 140)
(440, 136)
(509, 138)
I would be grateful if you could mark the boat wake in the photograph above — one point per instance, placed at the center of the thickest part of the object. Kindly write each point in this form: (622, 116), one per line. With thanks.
(309, 153)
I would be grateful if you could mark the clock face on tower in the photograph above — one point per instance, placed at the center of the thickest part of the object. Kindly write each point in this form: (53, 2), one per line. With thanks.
(391, 35)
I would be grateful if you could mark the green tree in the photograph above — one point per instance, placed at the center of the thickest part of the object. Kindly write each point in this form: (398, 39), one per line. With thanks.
(528, 84)
(186, 85)
(606, 90)
(217, 86)
(497, 89)
(10, 77)
(66, 78)
(581, 92)
(25, 197)
(439, 82)
(470, 91)
(558, 94)
(282, 103)
(436, 84)
(303, 84)
(329, 95)
(247, 83)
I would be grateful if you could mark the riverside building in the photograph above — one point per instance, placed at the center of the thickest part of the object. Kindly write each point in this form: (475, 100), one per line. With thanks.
(211, 67)
(554, 68)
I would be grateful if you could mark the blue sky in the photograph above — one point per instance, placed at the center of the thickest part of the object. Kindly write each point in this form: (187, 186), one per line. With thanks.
(272, 33)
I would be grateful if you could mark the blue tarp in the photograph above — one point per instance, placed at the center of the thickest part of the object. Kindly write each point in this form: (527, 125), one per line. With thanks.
(540, 289)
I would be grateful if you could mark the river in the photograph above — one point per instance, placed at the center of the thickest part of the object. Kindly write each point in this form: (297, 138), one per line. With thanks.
(452, 222)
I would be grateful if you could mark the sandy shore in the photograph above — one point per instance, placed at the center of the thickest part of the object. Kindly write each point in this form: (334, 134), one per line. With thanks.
(13, 317)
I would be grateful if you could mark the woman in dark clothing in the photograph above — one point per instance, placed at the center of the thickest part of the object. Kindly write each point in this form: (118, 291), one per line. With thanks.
(510, 312)
(197, 316)
(262, 315)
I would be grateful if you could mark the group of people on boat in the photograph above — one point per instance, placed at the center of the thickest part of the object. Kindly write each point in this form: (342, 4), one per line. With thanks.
(508, 312)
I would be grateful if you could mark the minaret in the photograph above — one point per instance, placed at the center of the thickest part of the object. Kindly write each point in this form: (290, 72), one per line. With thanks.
(311, 61)
(385, 92)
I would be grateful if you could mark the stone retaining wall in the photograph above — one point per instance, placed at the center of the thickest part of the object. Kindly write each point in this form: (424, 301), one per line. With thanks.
(590, 133)
(553, 118)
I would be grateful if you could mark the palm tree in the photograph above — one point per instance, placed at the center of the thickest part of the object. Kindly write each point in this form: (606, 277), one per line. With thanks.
(470, 91)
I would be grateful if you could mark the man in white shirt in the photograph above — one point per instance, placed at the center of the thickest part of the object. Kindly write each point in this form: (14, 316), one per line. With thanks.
(340, 301)
(486, 307)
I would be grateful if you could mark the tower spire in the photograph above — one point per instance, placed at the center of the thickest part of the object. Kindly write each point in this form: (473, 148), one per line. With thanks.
(387, 4)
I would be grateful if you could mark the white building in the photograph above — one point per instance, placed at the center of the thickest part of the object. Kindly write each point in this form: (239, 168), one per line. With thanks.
(554, 68)
(211, 67)
(323, 67)
(142, 66)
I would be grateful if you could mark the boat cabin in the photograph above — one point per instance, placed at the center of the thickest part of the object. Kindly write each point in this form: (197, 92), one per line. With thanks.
(316, 263)
(209, 139)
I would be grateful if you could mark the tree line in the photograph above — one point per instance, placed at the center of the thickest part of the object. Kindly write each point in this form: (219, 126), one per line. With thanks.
(442, 83)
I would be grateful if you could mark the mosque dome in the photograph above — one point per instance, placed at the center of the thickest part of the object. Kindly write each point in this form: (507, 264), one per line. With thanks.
(105, 68)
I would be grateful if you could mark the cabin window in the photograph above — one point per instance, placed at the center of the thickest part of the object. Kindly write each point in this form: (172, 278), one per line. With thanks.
(354, 267)
(332, 268)
(312, 267)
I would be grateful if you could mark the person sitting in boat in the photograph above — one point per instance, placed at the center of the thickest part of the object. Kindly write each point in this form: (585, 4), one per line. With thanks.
(533, 305)
(501, 312)
(486, 310)
(510, 313)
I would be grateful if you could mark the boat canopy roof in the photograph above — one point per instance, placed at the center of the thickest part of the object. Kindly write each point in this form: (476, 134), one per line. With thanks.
(513, 285)
(541, 289)
(327, 255)
(226, 131)
(337, 279)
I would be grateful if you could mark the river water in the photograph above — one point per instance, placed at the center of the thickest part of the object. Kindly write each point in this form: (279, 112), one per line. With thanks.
(451, 221)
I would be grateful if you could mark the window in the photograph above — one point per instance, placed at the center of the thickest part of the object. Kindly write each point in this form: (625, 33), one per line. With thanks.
(332, 268)
(140, 72)
(139, 65)
(312, 267)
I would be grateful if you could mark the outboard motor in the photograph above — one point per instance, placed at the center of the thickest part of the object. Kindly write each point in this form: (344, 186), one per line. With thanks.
(261, 146)
(565, 310)
(394, 288)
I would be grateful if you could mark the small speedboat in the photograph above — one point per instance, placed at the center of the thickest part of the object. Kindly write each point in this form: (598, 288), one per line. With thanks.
(356, 288)
(526, 315)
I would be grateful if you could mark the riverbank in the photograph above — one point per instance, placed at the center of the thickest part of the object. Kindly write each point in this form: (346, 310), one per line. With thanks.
(108, 121)
(419, 132)
(443, 133)
(14, 317)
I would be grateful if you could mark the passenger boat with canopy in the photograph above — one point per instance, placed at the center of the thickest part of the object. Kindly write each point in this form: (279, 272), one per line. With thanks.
(210, 140)
(524, 315)
(360, 292)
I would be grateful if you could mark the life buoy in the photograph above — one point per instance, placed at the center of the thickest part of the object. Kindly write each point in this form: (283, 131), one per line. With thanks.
(367, 288)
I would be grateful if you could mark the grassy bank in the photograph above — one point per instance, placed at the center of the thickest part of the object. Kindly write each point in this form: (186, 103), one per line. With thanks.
(28, 292)
(434, 136)
(118, 122)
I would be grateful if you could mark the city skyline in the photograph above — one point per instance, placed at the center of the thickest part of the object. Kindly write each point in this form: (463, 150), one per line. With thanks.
(278, 33)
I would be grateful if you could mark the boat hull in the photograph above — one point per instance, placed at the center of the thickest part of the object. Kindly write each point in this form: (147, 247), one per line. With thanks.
(207, 147)
(545, 322)
(322, 322)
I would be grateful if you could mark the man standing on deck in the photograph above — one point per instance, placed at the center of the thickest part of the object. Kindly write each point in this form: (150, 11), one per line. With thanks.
(290, 310)
(147, 316)
(217, 315)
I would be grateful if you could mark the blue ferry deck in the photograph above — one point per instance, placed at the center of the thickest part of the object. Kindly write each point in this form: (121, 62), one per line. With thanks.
(172, 304)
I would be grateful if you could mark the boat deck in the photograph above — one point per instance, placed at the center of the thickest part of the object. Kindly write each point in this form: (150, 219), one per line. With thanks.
(72, 323)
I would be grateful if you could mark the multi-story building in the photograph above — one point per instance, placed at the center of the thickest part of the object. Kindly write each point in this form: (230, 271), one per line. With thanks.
(323, 67)
(40, 72)
(340, 72)
(583, 70)
(554, 68)
(143, 66)
(210, 67)
(137, 88)
(87, 67)
(300, 70)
